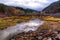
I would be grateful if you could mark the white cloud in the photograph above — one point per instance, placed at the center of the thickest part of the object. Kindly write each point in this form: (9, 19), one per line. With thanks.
(28, 3)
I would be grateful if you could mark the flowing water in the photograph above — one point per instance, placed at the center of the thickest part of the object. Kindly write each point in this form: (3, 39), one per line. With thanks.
(19, 28)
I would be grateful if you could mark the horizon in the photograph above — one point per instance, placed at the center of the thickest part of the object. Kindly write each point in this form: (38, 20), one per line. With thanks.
(31, 4)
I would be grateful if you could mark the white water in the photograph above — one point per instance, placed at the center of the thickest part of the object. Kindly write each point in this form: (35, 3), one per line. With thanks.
(19, 28)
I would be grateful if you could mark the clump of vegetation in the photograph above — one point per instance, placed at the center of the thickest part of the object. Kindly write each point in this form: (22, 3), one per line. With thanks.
(2, 8)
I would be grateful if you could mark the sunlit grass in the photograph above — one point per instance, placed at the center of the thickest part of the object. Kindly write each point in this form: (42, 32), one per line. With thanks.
(13, 20)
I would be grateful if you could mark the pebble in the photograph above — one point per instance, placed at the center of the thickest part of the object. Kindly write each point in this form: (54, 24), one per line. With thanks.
(58, 35)
(44, 38)
(49, 38)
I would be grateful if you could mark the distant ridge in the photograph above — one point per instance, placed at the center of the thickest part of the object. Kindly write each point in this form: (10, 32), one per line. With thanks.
(53, 8)
(16, 11)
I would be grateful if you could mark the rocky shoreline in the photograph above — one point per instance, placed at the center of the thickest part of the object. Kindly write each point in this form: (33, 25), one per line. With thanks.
(45, 32)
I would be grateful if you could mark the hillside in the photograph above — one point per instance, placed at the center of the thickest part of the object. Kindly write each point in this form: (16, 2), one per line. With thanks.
(15, 11)
(53, 8)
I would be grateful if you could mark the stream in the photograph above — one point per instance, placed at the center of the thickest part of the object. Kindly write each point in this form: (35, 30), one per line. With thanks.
(9, 32)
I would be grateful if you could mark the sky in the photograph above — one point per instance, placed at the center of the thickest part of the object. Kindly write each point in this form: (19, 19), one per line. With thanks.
(32, 4)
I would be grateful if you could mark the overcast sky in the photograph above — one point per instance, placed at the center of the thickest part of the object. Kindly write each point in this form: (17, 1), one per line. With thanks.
(32, 4)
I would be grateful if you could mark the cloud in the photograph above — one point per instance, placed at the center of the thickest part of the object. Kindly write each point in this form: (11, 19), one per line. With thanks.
(33, 4)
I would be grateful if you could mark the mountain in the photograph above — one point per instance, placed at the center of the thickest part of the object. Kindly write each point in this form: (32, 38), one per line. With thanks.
(53, 8)
(15, 11)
